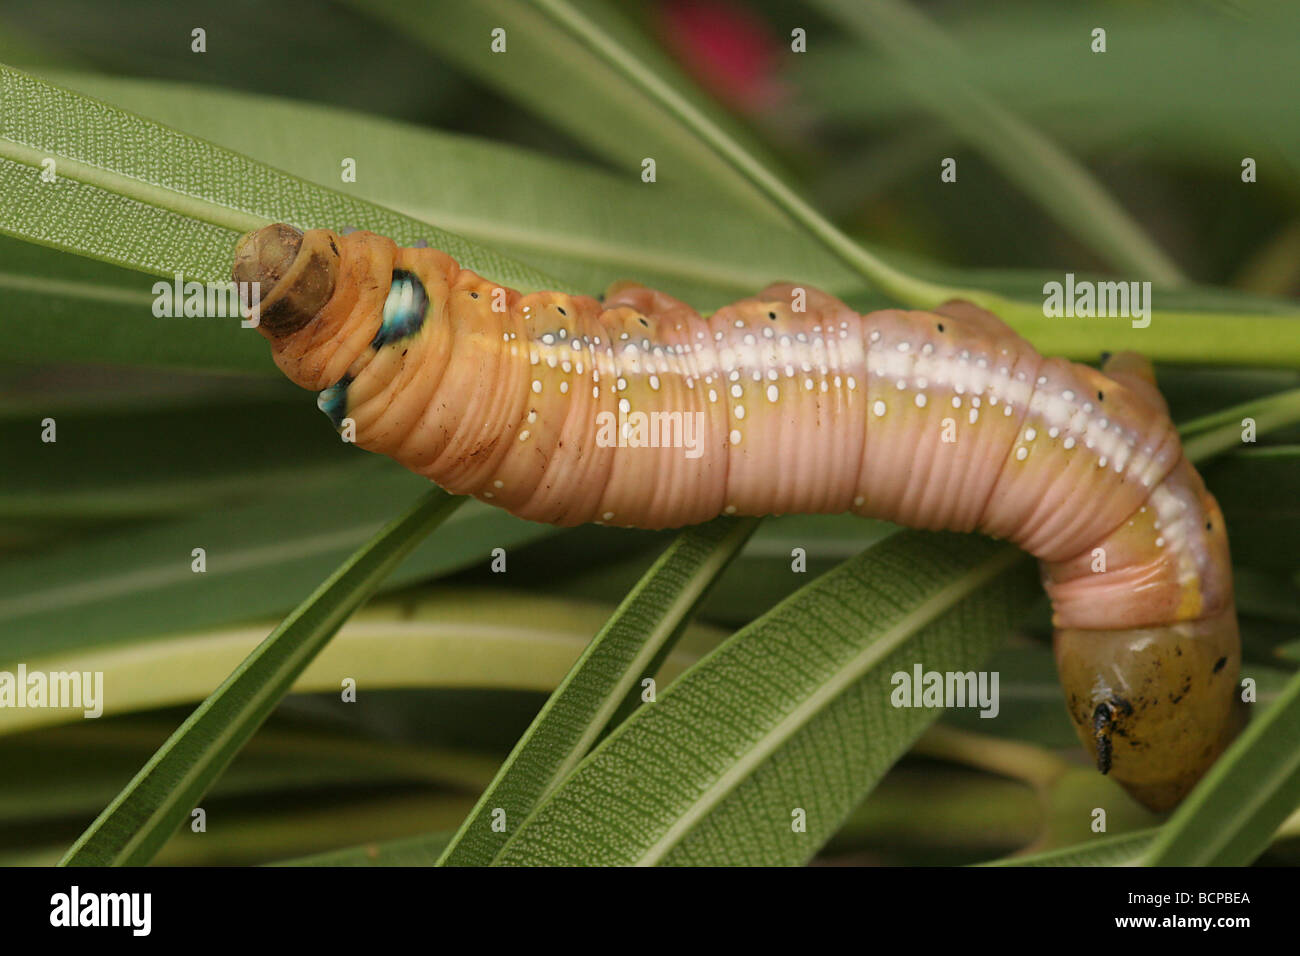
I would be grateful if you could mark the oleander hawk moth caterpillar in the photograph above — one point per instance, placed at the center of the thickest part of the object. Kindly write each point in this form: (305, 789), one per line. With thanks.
(795, 404)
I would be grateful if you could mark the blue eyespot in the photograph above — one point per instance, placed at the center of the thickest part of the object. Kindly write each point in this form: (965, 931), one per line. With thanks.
(404, 309)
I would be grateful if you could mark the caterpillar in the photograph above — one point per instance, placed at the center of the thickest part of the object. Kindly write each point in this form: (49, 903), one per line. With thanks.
(791, 402)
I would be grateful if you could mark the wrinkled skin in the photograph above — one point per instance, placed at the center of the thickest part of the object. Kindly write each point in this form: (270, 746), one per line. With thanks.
(805, 407)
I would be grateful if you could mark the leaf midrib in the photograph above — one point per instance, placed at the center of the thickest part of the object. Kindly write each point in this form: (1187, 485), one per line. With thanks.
(136, 190)
(734, 277)
(938, 603)
(934, 606)
(672, 616)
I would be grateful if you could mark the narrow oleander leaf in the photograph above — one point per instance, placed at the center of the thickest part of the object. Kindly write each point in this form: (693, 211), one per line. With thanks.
(258, 557)
(506, 44)
(421, 850)
(1234, 812)
(481, 638)
(1174, 334)
(144, 815)
(92, 311)
(628, 649)
(1124, 849)
(73, 772)
(511, 199)
(704, 251)
(1029, 57)
(717, 770)
(80, 175)
(710, 774)
(1219, 431)
(932, 68)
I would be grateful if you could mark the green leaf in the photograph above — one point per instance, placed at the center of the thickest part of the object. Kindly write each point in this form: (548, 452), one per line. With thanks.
(110, 464)
(1208, 80)
(75, 771)
(466, 638)
(723, 760)
(925, 61)
(1200, 392)
(259, 835)
(507, 198)
(421, 850)
(937, 812)
(138, 194)
(711, 772)
(1262, 593)
(760, 577)
(628, 648)
(1234, 812)
(1259, 491)
(703, 251)
(261, 556)
(561, 80)
(1031, 707)
(1215, 433)
(1124, 849)
(1173, 335)
(95, 312)
(598, 40)
(146, 813)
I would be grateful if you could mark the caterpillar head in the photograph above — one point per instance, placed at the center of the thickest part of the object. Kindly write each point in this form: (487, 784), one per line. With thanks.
(319, 296)
(294, 273)
(1154, 706)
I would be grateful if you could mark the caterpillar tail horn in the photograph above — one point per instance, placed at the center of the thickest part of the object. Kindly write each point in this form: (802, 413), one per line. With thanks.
(1136, 372)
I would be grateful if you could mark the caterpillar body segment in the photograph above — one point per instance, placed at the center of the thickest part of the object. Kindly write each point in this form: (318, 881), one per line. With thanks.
(638, 411)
